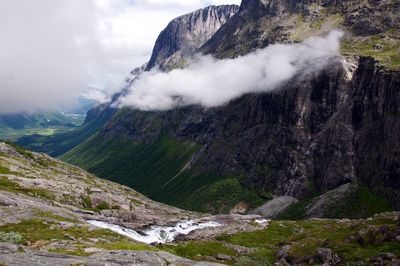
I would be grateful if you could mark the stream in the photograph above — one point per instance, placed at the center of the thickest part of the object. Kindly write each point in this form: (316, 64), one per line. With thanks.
(155, 234)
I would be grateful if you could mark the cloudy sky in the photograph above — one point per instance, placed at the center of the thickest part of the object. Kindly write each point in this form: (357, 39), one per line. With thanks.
(51, 50)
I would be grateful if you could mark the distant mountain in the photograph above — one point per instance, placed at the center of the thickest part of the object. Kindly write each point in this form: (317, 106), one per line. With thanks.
(308, 138)
(14, 126)
(43, 124)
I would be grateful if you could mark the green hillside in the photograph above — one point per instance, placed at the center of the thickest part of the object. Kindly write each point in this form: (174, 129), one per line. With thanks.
(160, 170)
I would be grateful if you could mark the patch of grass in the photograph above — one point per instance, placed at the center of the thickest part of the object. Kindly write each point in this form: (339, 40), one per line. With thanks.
(385, 50)
(220, 197)
(38, 230)
(30, 177)
(55, 217)
(296, 211)
(5, 171)
(103, 206)
(8, 185)
(22, 151)
(125, 245)
(76, 251)
(86, 201)
(198, 250)
(361, 203)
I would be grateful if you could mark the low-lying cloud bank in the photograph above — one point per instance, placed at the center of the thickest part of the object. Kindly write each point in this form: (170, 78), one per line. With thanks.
(210, 82)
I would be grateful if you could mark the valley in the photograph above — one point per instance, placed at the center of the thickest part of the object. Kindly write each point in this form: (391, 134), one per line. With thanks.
(296, 164)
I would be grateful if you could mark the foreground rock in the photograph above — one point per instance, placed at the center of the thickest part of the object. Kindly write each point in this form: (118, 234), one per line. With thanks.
(10, 256)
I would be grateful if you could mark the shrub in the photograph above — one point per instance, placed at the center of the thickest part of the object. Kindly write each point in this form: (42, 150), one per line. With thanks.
(11, 237)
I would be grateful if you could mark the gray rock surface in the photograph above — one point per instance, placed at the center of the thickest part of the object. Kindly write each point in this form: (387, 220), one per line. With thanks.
(329, 200)
(106, 258)
(187, 33)
(275, 206)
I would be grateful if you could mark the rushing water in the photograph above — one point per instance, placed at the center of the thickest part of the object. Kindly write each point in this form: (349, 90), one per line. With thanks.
(156, 234)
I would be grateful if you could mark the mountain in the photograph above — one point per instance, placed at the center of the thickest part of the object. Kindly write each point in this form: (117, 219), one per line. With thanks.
(306, 139)
(51, 213)
(41, 124)
(185, 34)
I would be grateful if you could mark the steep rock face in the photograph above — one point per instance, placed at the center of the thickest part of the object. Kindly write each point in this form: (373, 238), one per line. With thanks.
(311, 137)
(185, 34)
(259, 23)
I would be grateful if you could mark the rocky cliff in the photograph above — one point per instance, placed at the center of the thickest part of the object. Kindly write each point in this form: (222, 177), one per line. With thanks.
(185, 34)
(311, 136)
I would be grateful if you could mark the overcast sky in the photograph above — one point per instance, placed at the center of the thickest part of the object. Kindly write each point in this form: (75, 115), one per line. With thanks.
(51, 50)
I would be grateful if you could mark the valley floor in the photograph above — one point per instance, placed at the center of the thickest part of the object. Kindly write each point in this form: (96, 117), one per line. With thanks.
(45, 206)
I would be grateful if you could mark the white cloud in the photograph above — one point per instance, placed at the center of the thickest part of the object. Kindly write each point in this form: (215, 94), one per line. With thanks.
(53, 50)
(211, 82)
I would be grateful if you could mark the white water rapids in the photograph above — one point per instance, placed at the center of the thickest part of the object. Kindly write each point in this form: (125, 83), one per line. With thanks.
(156, 234)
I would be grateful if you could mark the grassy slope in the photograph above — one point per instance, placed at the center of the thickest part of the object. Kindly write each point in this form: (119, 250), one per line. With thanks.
(385, 49)
(362, 203)
(157, 170)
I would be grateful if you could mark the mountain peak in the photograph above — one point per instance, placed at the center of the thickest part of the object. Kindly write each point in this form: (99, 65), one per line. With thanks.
(185, 34)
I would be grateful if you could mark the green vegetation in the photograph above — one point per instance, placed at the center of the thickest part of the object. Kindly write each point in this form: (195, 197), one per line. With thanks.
(87, 201)
(386, 50)
(303, 239)
(80, 237)
(8, 185)
(125, 245)
(74, 251)
(360, 204)
(220, 197)
(38, 230)
(5, 171)
(198, 250)
(15, 126)
(58, 144)
(27, 154)
(306, 28)
(54, 217)
(10, 237)
(158, 171)
(296, 211)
